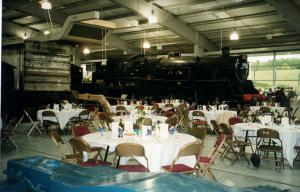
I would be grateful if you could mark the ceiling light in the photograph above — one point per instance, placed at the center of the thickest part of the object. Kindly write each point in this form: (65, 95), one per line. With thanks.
(234, 36)
(146, 45)
(86, 51)
(25, 36)
(45, 4)
(152, 18)
(46, 32)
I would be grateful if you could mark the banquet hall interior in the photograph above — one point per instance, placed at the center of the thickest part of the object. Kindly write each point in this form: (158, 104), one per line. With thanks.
(150, 95)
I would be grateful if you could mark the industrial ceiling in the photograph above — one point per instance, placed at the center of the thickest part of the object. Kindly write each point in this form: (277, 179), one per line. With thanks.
(181, 24)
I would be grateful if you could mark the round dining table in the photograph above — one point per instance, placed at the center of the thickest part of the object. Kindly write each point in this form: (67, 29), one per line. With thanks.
(289, 135)
(221, 116)
(159, 151)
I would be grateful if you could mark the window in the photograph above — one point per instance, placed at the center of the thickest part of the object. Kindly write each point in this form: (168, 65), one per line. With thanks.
(278, 69)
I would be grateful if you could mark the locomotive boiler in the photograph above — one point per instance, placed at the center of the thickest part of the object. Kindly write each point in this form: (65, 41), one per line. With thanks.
(202, 79)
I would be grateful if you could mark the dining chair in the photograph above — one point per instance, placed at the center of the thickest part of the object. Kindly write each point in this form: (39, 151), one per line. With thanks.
(190, 149)
(199, 133)
(131, 150)
(198, 119)
(205, 162)
(62, 148)
(216, 127)
(297, 158)
(81, 130)
(35, 125)
(8, 131)
(120, 110)
(234, 147)
(234, 120)
(273, 144)
(80, 147)
(49, 120)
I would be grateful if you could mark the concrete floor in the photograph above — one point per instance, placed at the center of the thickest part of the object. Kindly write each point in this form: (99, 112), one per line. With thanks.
(240, 174)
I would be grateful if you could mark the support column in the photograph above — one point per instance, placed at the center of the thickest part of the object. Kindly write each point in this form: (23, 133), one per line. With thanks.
(76, 56)
(199, 46)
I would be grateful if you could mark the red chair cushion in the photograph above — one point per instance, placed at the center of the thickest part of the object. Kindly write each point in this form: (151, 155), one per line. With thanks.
(178, 168)
(81, 131)
(133, 168)
(204, 160)
(92, 163)
(169, 113)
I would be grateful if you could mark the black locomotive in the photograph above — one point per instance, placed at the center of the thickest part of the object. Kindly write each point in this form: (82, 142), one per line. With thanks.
(201, 79)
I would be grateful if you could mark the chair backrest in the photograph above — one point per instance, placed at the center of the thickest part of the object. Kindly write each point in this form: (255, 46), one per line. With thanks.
(120, 108)
(190, 149)
(226, 129)
(235, 120)
(297, 122)
(28, 116)
(147, 121)
(79, 131)
(169, 105)
(198, 114)
(59, 143)
(48, 114)
(216, 127)
(130, 150)
(199, 133)
(193, 106)
(84, 113)
(171, 121)
(79, 146)
(268, 133)
(13, 124)
(264, 110)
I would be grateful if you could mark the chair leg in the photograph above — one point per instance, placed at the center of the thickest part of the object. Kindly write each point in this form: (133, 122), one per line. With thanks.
(13, 142)
(106, 153)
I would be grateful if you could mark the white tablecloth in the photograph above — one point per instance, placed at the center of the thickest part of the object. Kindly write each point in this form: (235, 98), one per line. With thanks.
(254, 109)
(219, 115)
(289, 135)
(62, 116)
(159, 152)
(133, 118)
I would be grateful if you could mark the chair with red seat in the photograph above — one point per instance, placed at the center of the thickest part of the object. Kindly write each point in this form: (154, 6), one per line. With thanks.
(131, 150)
(234, 120)
(234, 146)
(79, 147)
(79, 131)
(190, 149)
(198, 119)
(205, 162)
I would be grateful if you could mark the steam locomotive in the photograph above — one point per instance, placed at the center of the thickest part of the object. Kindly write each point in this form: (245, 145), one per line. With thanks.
(200, 79)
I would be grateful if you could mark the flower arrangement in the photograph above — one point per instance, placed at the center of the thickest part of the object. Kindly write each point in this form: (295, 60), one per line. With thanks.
(140, 109)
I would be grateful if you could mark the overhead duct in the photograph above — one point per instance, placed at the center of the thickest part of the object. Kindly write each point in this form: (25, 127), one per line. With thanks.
(83, 27)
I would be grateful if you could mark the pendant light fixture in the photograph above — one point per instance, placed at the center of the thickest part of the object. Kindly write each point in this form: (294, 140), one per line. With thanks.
(86, 51)
(25, 36)
(146, 44)
(234, 35)
(45, 4)
(152, 19)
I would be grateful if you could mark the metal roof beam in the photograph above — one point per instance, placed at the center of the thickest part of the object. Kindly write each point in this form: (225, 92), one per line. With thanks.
(289, 11)
(251, 16)
(166, 19)
(241, 4)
